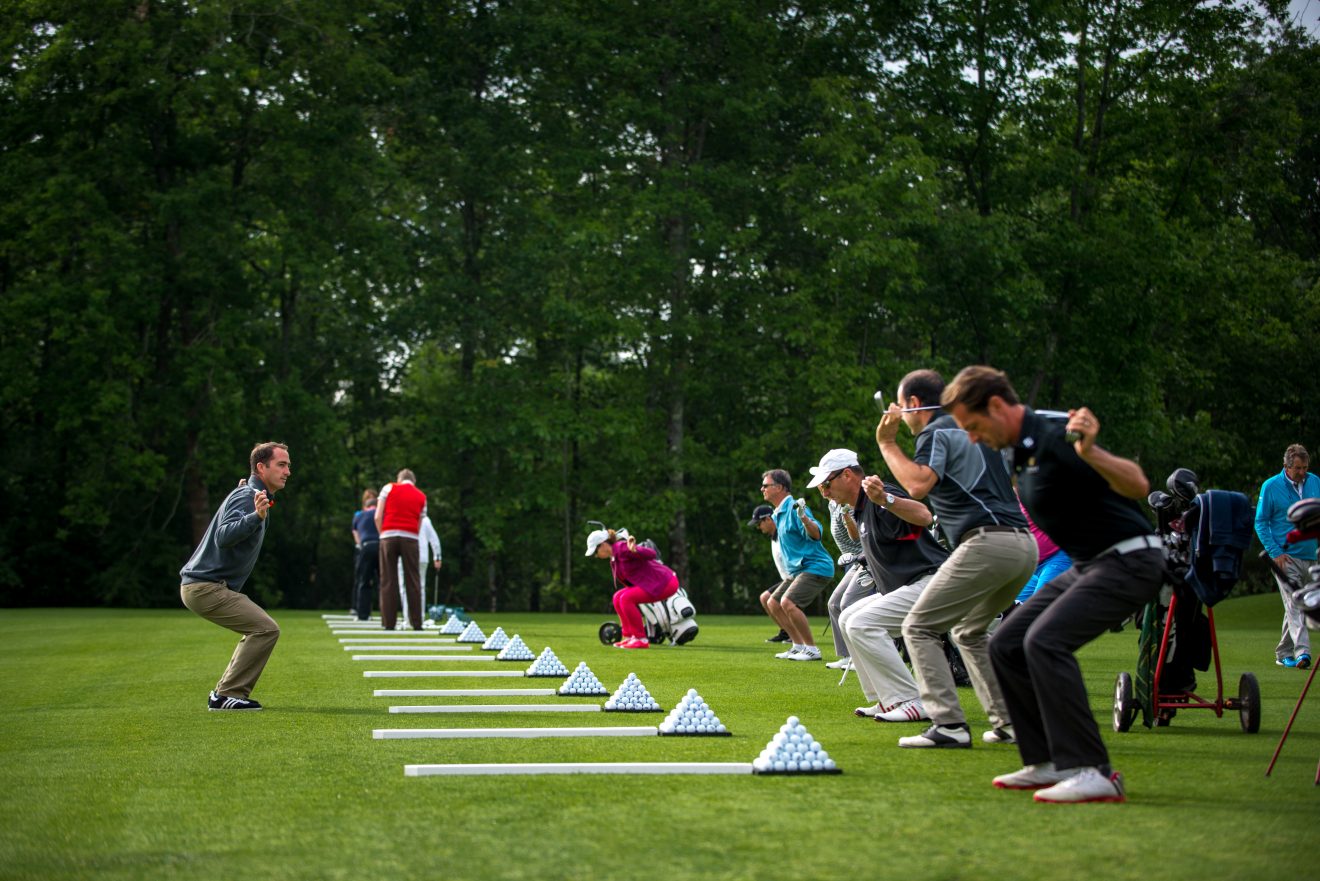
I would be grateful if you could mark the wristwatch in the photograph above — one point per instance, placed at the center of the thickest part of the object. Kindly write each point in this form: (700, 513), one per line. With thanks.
(889, 500)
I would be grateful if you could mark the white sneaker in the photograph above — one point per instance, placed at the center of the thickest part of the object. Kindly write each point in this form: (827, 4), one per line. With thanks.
(1033, 777)
(1087, 785)
(810, 653)
(939, 737)
(999, 735)
(841, 664)
(904, 711)
(788, 653)
(870, 712)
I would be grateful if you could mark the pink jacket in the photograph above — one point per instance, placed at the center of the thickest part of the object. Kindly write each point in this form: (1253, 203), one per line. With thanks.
(639, 569)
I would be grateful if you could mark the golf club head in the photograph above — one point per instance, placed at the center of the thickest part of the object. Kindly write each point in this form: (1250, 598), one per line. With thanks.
(1305, 515)
(879, 400)
(1160, 500)
(1182, 484)
(1308, 598)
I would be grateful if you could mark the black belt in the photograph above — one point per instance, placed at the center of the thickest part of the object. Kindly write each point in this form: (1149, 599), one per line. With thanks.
(994, 527)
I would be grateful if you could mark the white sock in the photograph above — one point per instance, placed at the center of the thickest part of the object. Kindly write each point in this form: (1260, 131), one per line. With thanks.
(797, 647)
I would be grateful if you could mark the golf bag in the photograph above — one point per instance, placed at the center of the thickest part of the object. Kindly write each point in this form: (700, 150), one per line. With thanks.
(673, 619)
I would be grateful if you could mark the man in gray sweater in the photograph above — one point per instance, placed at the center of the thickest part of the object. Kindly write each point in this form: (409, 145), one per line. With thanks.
(213, 578)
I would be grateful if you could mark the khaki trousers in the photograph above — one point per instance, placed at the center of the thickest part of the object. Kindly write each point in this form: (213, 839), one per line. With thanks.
(215, 602)
(978, 581)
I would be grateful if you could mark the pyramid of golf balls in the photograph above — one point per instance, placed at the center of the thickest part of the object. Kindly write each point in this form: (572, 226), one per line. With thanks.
(794, 751)
(693, 716)
(547, 664)
(472, 633)
(582, 682)
(452, 626)
(632, 697)
(496, 641)
(516, 650)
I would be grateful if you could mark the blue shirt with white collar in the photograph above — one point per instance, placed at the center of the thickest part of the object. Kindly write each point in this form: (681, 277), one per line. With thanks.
(1277, 495)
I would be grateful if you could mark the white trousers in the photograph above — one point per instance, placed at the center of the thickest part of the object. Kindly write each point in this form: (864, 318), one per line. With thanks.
(869, 627)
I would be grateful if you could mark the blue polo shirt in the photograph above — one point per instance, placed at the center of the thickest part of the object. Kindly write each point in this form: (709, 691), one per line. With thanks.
(1277, 495)
(801, 552)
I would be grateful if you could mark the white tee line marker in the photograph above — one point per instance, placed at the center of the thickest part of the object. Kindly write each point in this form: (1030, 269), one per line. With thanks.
(449, 733)
(580, 768)
(471, 659)
(380, 633)
(463, 692)
(402, 674)
(410, 647)
(399, 639)
(498, 708)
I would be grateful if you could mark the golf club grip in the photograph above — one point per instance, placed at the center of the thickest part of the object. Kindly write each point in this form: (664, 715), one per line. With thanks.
(1072, 437)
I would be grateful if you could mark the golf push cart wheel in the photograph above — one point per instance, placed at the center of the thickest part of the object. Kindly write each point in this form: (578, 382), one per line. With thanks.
(1125, 704)
(610, 633)
(1249, 703)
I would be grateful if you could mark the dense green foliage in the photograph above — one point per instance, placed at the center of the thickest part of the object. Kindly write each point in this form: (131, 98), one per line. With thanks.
(607, 259)
(111, 769)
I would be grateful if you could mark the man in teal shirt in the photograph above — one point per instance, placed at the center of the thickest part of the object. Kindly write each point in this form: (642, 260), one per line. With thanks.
(1277, 495)
(810, 568)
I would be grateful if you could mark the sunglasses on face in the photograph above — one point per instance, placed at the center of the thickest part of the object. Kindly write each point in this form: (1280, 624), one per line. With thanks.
(825, 484)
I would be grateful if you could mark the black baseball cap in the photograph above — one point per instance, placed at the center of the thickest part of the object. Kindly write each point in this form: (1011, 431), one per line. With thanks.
(760, 513)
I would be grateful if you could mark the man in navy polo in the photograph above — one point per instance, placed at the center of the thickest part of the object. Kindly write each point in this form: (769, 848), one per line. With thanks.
(1084, 498)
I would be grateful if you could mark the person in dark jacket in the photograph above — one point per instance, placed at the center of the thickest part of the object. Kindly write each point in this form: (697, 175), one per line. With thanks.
(213, 578)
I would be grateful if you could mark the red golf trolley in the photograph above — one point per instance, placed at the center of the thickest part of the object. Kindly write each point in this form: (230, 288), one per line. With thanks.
(1205, 535)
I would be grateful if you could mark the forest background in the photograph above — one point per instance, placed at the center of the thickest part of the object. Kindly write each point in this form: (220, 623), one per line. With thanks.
(609, 259)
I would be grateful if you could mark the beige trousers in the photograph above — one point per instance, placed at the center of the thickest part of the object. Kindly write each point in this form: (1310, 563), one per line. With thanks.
(230, 609)
(978, 581)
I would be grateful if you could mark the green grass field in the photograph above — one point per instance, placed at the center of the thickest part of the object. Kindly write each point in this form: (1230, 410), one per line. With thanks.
(112, 768)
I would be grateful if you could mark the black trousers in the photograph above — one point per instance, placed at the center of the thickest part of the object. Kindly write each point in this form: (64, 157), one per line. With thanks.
(366, 579)
(1033, 654)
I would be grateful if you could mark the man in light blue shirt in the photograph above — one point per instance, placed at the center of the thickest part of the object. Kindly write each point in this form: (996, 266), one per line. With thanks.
(810, 568)
(1277, 495)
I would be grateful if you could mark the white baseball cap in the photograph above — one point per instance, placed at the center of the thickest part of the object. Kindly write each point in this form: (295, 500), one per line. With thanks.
(829, 463)
(594, 540)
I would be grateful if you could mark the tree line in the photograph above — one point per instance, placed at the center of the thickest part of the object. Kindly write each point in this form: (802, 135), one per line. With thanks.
(610, 260)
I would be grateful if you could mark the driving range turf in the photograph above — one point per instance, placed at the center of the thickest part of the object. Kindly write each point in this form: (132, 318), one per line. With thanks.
(114, 769)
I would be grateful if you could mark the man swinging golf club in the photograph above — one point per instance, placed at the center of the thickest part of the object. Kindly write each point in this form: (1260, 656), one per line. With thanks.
(213, 578)
(1084, 497)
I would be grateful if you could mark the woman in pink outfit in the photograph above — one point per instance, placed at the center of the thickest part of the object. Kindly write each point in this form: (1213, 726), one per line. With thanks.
(642, 577)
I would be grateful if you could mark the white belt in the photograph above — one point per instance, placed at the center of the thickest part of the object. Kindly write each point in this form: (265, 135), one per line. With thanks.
(1138, 543)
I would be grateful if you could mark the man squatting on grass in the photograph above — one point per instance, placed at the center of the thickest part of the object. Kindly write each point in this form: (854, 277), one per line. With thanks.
(213, 578)
(994, 555)
(1083, 497)
(902, 556)
(809, 567)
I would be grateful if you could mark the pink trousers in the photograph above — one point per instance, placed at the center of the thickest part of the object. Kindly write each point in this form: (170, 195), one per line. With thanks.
(626, 601)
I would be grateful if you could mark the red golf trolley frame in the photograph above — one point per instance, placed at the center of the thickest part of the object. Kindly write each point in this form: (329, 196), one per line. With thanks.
(1247, 702)
(1171, 509)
